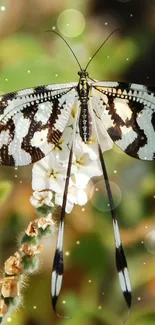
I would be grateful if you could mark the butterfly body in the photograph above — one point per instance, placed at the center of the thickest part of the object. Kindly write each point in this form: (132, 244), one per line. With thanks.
(83, 90)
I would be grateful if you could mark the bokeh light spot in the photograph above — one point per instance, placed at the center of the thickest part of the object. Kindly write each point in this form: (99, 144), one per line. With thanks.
(71, 23)
(2, 8)
(149, 242)
(100, 199)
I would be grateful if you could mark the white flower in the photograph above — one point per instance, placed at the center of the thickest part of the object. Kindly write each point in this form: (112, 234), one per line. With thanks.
(80, 180)
(83, 165)
(61, 150)
(40, 198)
(80, 197)
(90, 147)
(48, 174)
(69, 203)
(75, 196)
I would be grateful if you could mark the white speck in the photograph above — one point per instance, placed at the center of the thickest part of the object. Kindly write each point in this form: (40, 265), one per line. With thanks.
(96, 189)
(139, 298)
(108, 57)
(6, 79)
(56, 74)
(16, 168)
(15, 176)
(20, 182)
(53, 27)
(83, 209)
(99, 307)
(154, 196)
(78, 242)
(67, 253)
(115, 171)
(145, 227)
(9, 319)
(34, 307)
(28, 71)
(89, 281)
(106, 23)
(131, 15)
(147, 77)
(3, 8)
(64, 301)
(67, 24)
(127, 59)
(142, 242)
(89, 58)
(144, 263)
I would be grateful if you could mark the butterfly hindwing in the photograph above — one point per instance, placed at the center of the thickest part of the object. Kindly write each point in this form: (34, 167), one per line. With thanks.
(128, 114)
(32, 121)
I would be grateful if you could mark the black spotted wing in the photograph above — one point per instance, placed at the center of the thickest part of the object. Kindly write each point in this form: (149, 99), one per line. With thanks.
(32, 121)
(127, 112)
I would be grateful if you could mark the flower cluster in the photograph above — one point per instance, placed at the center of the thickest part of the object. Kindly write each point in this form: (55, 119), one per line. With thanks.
(22, 262)
(49, 174)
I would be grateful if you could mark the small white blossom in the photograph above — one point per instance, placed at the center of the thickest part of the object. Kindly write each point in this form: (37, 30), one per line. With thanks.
(48, 174)
(80, 196)
(69, 203)
(40, 198)
(80, 180)
(82, 164)
(61, 150)
(75, 196)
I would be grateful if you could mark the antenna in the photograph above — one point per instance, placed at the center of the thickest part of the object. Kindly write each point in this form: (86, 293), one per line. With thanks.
(47, 31)
(100, 47)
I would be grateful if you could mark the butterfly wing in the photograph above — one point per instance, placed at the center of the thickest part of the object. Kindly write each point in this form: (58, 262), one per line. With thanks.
(32, 121)
(128, 114)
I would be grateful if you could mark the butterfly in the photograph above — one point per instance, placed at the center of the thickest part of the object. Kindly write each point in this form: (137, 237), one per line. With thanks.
(33, 120)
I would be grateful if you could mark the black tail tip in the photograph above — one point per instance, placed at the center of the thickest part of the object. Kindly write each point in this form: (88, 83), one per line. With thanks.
(54, 303)
(128, 298)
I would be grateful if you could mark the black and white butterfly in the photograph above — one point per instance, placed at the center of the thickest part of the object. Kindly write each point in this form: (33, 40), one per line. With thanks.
(126, 111)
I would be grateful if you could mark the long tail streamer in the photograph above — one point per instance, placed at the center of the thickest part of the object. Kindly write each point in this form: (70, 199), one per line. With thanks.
(121, 263)
(58, 264)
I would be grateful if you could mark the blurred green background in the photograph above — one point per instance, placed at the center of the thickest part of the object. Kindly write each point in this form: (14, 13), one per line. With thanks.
(31, 57)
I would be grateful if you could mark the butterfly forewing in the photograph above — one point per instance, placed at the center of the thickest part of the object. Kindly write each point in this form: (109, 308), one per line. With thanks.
(128, 114)
(32, 121)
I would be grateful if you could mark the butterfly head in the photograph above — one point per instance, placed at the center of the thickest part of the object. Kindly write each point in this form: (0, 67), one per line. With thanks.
(83, 74)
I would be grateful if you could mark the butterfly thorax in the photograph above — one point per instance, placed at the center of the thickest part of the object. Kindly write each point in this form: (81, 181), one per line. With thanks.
(83, 89)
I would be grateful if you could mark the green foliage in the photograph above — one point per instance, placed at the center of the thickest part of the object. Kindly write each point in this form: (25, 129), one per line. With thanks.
(5, 190)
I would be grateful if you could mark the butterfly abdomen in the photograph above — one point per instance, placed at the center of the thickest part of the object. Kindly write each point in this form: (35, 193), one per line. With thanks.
(85, 122)
(84, 119)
